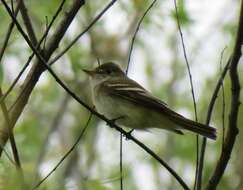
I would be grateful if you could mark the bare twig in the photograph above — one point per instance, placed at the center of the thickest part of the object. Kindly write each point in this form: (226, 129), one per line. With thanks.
(67, 153)
(32, 55)
(121, 164)
(192, 90)
(2, 103)
(223, 99)
(10, 29)
(10, 133)
(135, 33)
(209, 114)
(37, 69)
(234, 110)
(28, 24)
(82, 33)
(128, 63)
(52, 128)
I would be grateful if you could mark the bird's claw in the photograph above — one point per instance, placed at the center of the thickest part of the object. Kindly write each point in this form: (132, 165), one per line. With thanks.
(113, 121)
(128, 134)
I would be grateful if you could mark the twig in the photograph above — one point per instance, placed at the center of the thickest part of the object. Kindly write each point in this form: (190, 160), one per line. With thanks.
(234, 110)
(128, 63)
(54, 124)
(82, 33)
(37, 68)
(28, 24)
(223, 100)
(135, 33)
(3, 105)
(192, 90)
(111, 123)
(32, 55)
(10, 133)
(209, 114)
(67, 153)
(121, 165)
(10, 29)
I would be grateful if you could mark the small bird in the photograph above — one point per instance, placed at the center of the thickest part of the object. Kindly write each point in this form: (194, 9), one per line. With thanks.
(124, 101)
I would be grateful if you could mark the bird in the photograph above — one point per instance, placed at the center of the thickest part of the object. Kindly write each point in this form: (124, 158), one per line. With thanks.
(126, 102)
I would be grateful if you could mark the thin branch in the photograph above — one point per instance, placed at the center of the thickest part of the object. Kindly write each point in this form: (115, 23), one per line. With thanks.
(135, 33)
(10, 133)
(82, 33)
(234, 110)
(37, 69)
(128, 63)
(28, 24)
(32, 55)
(208, 119)
(3, 105)
(192, 90)
(67, 153)
(9, 32)
(111, 123)
(121, 165)
(223, 100)
(54, 124)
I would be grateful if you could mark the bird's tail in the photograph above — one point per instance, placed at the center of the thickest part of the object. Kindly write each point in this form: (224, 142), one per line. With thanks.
(198, 128)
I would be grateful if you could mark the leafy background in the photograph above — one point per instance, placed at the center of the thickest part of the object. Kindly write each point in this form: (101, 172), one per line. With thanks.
(52, 120)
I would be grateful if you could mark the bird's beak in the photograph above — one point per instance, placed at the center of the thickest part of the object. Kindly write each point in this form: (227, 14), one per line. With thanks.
(89, 72)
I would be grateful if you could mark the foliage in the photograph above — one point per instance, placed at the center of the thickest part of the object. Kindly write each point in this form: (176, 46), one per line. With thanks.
(51, 121)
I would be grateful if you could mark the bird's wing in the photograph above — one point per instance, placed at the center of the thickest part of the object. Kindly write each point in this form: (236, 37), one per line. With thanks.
(136, 94)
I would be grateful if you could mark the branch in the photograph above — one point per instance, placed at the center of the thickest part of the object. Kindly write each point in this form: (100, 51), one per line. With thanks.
(111, 123)
(10, 29)
(192, 90)
(32, 55)
(37, 69)
(82, 33)
(135, 33)
(65, 155)
(28, 24)
(234, 110)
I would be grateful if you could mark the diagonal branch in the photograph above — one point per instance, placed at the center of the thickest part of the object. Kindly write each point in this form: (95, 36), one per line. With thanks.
(234, 110)
(28, 24)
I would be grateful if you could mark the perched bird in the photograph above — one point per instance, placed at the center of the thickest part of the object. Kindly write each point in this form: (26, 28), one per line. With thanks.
(122, 99)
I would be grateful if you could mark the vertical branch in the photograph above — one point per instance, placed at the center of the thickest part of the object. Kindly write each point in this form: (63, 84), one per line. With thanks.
(192, 89)
(121, 166)
(10, 133)
(128, 64)
(223, 101)
(234, 110)
(135, 33)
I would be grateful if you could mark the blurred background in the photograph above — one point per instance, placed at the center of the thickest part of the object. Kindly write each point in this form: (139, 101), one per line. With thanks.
(52, 120)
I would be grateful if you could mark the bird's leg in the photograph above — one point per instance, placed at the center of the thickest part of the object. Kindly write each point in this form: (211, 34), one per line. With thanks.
(113, 121)
(129, 134)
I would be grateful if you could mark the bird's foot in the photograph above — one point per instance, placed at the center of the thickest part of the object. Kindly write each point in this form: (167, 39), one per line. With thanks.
(129, 134)
(113, 121)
